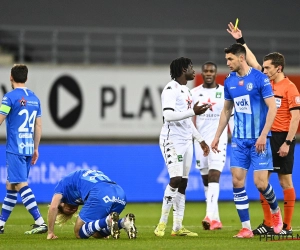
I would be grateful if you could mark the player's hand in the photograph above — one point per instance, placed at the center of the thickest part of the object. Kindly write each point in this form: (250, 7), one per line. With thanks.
(199, 110)
(214, 146)
(236, 33)
(205, 148)
(51, 236)
(284, 150)
(35, 157)
(260, 144)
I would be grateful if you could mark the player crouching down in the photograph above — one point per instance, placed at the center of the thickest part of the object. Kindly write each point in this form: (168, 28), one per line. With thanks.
(102, 199)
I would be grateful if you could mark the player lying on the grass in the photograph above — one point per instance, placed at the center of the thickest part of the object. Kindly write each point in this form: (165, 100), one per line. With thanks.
(102, 199)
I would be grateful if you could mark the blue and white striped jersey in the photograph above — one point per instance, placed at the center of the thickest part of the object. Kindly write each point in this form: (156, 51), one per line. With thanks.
(248, 94)
(21, 107)
(76, 186)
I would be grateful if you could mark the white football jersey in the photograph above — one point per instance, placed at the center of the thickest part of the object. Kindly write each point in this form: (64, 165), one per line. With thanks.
(178, 98)
(208, 122)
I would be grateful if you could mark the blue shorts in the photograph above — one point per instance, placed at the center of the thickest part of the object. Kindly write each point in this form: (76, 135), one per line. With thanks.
(103, 199)
(244, 155)
(18, 167)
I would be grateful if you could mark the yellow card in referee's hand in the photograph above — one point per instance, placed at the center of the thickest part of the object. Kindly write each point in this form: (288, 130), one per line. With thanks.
(236, 24)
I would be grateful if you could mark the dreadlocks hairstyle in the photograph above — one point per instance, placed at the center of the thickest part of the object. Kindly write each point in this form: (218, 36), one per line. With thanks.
(178, 65)
(276, 58)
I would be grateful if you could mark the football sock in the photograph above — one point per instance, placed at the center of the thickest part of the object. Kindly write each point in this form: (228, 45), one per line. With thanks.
(205, 191)
(242, 206)
(178, 211)
(289, 198)
(212, 210)
(29, 202)
(8, 205)
(271, 198)
(169, 196)
(88, 229)
(267, 212)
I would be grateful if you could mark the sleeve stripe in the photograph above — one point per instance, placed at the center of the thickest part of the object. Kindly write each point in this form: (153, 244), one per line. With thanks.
(5, 109)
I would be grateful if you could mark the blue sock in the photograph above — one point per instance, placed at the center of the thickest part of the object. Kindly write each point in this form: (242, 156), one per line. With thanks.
(270, 196)
(8, 205)
(241, 203)
(29, 202)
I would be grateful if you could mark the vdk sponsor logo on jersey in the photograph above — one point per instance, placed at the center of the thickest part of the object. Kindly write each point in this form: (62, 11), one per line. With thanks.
(242, 104)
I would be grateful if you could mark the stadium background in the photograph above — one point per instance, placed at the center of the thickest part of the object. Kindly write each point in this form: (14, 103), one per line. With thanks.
(106, 114)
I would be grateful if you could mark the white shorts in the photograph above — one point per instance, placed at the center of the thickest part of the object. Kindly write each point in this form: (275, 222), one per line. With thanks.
(213, 160)
(178, 156)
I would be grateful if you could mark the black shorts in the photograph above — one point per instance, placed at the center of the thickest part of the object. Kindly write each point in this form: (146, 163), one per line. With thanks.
(282, 165)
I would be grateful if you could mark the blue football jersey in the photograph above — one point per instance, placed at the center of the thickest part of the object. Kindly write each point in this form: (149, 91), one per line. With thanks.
(248, 94)
(76, 185)
(21, 107)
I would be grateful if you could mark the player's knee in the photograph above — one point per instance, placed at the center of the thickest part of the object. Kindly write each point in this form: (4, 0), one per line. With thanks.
(175, 181)
(214, 176)
(183, 185)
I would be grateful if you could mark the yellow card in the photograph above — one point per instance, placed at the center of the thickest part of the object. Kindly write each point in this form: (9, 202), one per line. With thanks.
(236, 24)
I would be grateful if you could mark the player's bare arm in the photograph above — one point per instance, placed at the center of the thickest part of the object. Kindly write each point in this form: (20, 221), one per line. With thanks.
(37, 138)
(250, 57)
(284, 149)
(224, 119)
(52, 213)
(2, 118)
(262, 139)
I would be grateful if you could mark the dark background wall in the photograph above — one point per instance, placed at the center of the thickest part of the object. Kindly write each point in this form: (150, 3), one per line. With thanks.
(273, 15)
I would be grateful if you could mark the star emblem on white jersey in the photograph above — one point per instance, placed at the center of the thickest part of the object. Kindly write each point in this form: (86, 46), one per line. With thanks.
(210, 103)
(189, 102)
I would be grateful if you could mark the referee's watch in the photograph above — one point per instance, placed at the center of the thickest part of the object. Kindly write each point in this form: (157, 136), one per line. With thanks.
(288, 142)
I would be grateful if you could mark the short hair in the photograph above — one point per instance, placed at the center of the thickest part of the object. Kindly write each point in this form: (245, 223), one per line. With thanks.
(19, 73)
(178, 65)
(236, 49)
(276, 58)
(209, 63)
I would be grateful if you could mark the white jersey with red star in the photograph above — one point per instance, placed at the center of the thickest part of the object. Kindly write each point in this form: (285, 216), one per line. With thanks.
(208, 122)
(178, 98)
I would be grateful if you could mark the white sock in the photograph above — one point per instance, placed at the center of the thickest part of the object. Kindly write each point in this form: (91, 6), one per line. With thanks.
(178, 211)
(168, 200)
(40, 221)
(205, 191)
(246, 224)
(212, 210)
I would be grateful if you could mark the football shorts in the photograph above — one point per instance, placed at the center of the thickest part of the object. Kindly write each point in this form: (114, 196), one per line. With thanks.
(244, 155)
(178, 156)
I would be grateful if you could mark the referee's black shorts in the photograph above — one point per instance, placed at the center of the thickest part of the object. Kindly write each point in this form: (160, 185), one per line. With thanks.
(282, 165)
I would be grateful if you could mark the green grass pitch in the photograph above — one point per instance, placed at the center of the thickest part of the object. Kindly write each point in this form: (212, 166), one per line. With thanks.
(147, 216)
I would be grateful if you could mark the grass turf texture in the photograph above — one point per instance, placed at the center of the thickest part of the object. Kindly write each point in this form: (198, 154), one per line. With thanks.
(147, 216)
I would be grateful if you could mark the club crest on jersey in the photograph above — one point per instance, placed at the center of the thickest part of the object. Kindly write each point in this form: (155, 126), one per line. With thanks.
(241, 82)
(23, 102)
(249, 86)
(218, 94)
(297, 99)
